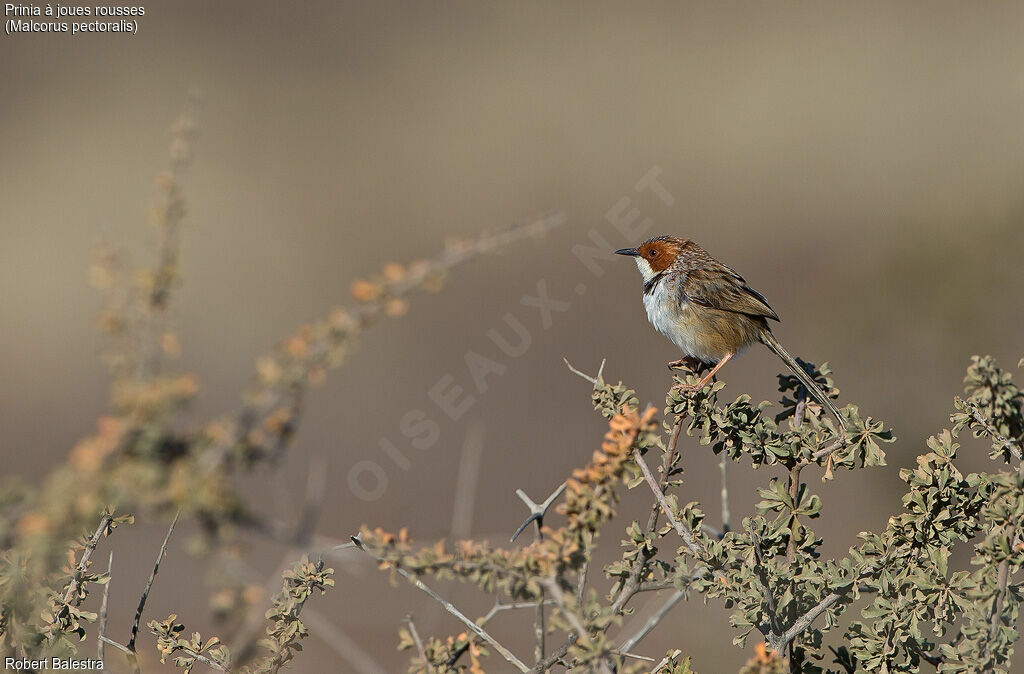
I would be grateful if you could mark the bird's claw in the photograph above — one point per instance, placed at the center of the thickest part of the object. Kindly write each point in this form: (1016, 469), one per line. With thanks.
(691, 364)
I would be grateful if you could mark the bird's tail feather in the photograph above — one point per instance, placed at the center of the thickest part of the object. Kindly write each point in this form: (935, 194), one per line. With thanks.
(768, 339)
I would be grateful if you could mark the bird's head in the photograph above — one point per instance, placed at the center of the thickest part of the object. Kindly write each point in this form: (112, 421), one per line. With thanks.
(654, 256)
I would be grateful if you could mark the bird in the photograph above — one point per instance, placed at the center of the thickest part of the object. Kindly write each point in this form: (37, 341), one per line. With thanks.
(708, 310)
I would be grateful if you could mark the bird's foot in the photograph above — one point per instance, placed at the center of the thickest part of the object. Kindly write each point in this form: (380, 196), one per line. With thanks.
(684, 389)
(688, 363)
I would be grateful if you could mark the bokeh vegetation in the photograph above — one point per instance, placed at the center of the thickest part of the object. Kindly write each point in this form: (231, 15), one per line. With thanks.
(898, 601)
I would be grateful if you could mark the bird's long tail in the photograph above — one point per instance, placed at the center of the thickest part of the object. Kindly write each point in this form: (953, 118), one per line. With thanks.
(768, 339)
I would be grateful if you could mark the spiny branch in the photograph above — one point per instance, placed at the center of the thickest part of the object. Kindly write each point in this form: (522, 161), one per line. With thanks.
(448, 606)
(652, 622)
(149, 584)
(695, 549)
(83, 563)
(537, 512)
(632, 584)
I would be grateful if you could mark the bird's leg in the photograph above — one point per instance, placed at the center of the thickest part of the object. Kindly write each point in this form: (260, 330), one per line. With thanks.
(689, 388)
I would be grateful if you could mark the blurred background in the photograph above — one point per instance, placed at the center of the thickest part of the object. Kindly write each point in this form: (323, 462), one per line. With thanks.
(860, 164)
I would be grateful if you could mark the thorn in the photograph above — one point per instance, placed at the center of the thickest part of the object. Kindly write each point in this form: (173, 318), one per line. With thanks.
(592, 380)
(537, 510)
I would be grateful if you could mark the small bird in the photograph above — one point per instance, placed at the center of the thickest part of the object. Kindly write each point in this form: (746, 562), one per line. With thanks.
(708, 310)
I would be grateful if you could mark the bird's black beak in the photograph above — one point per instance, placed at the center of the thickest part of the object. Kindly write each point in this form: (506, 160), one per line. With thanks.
(627, 251)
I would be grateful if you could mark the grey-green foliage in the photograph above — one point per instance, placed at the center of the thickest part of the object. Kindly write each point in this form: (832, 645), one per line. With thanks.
(924, 611)
(916, 613)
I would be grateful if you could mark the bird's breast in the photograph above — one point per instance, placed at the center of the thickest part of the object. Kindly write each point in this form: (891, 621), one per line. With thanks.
(693, 329)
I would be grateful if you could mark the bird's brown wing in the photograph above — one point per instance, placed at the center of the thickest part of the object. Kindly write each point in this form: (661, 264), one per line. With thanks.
(717, 286)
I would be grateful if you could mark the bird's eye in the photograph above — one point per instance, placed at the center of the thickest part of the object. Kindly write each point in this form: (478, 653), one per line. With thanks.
(653, 253)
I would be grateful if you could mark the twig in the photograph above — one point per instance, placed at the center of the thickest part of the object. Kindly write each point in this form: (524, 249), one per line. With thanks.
(632, 583)
(101, 628)
(997, 438)
(800, 411)
(448, 606)
(664, 661)
(581, 580)
(495, 610)
(341, 643)
(633, 655)
(592, 380)
(90, 547)
(794, 494)
(573, 617)
(652, 622)
(683, 532)
(839, 443)
(120, 647)
(1002, 583)
(555, 657)
(724, 468)
(780, 642)
(419, 643)
(133, 660)
(299, 537)
(149, 584)
(766, 589)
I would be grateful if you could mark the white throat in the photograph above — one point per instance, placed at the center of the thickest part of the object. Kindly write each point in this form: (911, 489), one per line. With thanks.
(645, 268)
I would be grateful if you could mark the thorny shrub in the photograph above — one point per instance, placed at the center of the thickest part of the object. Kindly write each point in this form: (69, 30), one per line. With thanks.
(894, 603)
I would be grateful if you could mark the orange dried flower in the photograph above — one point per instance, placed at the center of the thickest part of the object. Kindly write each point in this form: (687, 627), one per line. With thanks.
(396, 307)
(31, 524)
(364, 291)
(297, 347)
(341, 320)
(394, 272)
(268, 370)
